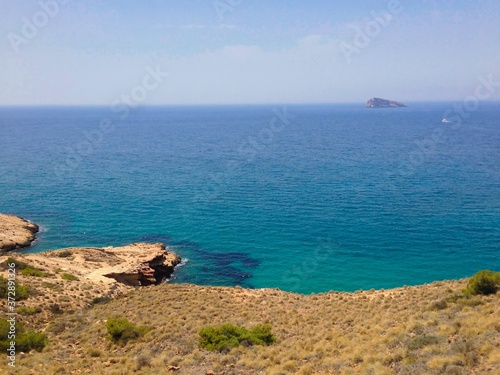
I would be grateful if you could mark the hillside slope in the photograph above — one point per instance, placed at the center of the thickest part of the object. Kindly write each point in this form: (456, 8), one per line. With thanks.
(427, 329)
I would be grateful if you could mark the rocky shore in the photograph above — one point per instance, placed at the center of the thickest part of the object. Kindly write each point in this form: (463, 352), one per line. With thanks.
(138, 264)
(16, 233)
(92, 273)
(70, 295)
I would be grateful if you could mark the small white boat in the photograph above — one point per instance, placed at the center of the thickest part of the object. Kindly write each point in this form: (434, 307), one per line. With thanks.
(445, 120)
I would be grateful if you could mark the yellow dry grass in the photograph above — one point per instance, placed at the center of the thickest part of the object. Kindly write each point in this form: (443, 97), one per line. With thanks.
(412, 330)
(400, 331)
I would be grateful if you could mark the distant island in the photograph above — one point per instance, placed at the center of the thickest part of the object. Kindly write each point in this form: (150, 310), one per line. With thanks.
(383, 103)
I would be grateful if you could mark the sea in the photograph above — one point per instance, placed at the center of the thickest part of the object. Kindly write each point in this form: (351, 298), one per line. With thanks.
(304, 198)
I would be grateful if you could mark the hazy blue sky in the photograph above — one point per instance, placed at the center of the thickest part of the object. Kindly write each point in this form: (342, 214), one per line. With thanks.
(244, 51)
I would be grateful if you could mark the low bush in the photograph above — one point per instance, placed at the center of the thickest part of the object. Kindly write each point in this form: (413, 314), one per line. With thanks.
(227, 336)
(484, 282)
(120, 329)
(26, 340)
(68, 276)
(31, 340)
(19, 264)
(21, 292)
(25, 310)
(28, 271)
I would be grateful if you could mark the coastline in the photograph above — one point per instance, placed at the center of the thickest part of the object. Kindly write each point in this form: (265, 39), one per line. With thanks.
(24, 235)
(74, 292)
(16, 233)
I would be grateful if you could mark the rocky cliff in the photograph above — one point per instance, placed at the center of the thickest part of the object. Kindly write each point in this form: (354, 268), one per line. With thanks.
(383, 103)
(16, 233)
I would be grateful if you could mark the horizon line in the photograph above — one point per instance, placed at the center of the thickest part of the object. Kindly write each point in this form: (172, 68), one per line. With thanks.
(232, 104)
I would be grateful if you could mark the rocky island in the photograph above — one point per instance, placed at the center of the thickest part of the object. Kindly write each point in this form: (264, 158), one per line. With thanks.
(16, 233)
(383, 103)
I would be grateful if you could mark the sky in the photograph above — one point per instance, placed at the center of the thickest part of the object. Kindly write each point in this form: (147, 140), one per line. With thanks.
(100, 52)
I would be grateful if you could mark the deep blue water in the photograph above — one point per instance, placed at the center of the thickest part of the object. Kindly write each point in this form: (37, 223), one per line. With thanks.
(332, 197)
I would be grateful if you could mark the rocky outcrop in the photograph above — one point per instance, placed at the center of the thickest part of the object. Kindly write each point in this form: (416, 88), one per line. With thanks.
(138, 264)
(153, 269)
(383, 103)
(16, 232)
(77, 278)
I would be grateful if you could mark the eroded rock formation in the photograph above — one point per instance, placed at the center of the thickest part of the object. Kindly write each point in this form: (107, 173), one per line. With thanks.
(152, 267)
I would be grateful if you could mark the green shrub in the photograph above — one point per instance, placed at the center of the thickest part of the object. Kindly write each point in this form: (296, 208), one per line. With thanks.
(24, 310)
(21, 291)
(26, 340)
(19, 264)
(227, 336)
(120, 329)
(484, 282)
(31, 340)
(68, 276)
(28, 271)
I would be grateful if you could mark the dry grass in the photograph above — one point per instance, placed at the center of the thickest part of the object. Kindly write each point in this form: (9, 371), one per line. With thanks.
(51, 296)
(410, 330)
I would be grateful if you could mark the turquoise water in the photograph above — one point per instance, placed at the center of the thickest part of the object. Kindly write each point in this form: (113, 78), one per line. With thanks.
(327, 197)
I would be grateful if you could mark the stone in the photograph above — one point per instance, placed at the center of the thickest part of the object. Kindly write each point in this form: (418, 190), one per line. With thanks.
(16, 232)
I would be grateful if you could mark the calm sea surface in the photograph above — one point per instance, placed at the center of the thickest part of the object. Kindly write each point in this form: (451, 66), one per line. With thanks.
(307, 198)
